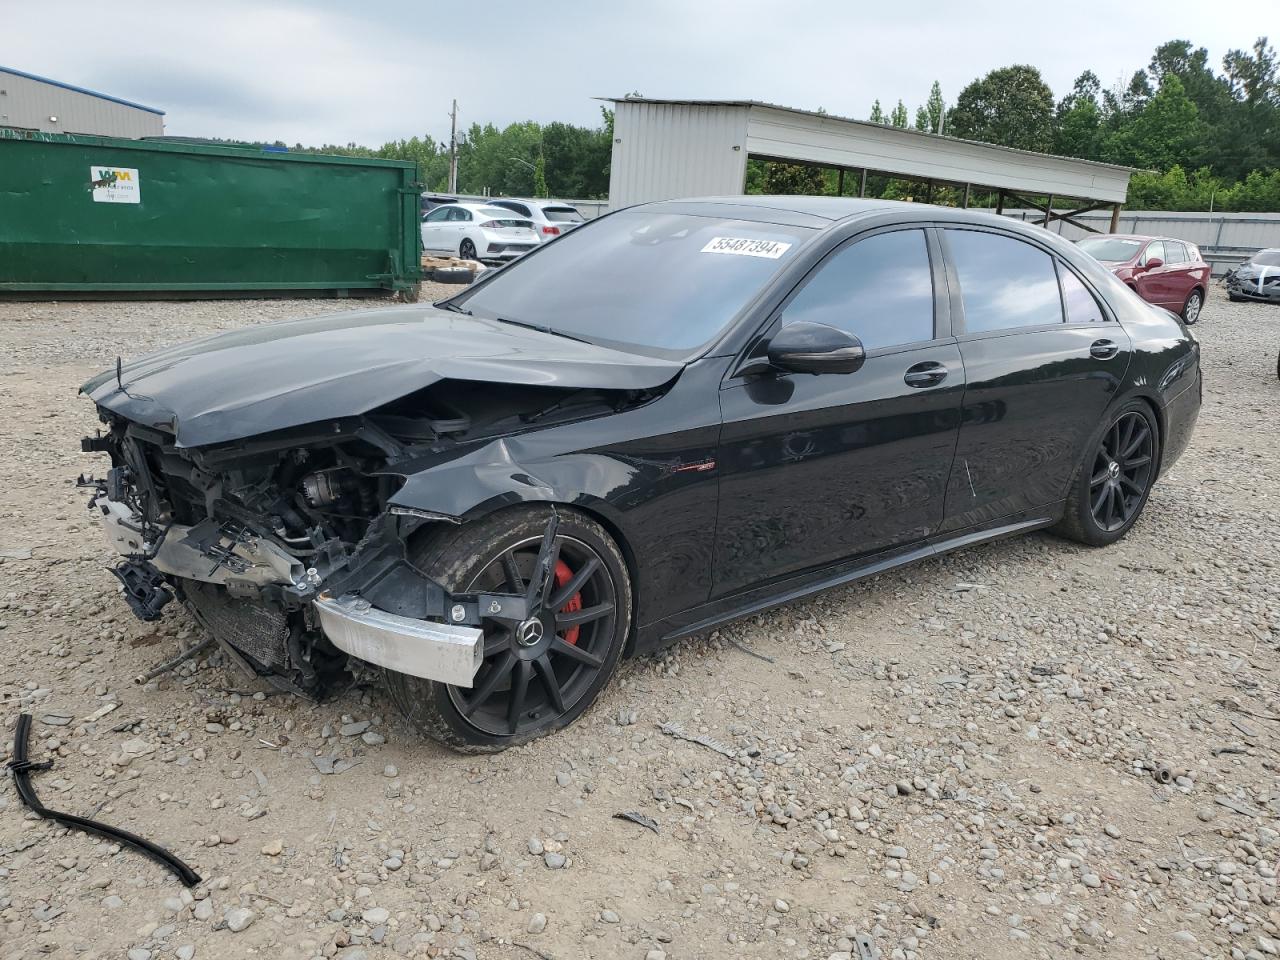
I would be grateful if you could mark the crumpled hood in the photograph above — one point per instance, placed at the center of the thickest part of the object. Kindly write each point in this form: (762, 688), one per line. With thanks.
(270, 377)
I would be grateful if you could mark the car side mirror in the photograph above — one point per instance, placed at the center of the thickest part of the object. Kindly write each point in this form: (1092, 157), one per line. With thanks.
(815, 348)
(1153, 263)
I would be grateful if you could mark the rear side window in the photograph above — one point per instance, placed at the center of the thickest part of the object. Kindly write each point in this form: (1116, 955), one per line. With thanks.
(1004, 283)
(879, 289)
(1174, 252)
(1080, 304)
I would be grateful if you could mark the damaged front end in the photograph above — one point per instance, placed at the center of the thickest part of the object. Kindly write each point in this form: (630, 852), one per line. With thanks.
(286, 549)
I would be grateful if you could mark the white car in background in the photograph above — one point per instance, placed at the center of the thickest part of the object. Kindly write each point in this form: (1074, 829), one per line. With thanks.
(477, 231)
(550, 218)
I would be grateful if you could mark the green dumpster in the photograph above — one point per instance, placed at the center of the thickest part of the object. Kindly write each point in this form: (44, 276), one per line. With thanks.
(101, 216)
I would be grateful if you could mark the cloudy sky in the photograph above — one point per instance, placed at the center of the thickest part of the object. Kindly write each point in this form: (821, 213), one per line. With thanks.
(339, 71)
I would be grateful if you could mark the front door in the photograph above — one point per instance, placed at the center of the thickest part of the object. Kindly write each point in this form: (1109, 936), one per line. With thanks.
(1039, 376)
(818, 468)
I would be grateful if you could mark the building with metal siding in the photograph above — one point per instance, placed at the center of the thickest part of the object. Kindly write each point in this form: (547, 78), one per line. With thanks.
(36, 103)
(665, 149)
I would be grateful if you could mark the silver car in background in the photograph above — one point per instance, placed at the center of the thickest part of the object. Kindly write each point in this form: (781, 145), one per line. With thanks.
(550, 218)
(477, 231)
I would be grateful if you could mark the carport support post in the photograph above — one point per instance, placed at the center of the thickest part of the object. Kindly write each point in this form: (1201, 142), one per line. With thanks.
(840, 183)
(964, 203)
(862, 183)
(999, 202)
(1048, 211)
(1115, 218)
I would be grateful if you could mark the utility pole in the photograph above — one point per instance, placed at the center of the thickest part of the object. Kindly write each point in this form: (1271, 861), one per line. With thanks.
(453, 148)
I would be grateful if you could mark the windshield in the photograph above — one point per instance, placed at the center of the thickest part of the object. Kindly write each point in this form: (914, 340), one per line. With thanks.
(662, 284)
(1266, 258)
(1110, 248)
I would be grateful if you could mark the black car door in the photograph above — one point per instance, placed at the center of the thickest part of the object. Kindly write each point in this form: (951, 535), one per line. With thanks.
(816, 468)
(1038, 376)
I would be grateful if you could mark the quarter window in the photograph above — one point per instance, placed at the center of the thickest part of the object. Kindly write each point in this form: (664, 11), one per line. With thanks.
(1081, 307)
(1004, 283)
(879, 289)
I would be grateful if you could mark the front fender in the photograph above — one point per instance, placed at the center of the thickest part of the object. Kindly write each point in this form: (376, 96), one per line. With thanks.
(505, 473)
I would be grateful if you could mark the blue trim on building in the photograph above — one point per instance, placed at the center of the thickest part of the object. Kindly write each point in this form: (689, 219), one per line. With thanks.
(71, 86)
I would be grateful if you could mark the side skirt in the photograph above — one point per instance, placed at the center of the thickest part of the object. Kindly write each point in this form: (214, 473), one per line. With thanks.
(757, 601)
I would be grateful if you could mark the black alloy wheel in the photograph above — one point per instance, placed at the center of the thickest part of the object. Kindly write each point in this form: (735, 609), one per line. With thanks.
(467, 251)
(540, 672)
(542, 666)
(1116, 472)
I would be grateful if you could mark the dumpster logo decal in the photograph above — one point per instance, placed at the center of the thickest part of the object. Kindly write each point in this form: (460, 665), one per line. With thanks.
(114, 185)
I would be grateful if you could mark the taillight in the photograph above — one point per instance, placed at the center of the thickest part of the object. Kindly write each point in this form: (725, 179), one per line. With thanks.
(491, 225)
(551, 231)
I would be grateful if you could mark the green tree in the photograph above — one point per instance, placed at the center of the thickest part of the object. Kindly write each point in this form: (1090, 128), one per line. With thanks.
(1078, 120)
(1165, 132)
(792, 178)
(877, 114)
(540, 177)
(899, 116)
(929, 117)
(1012, 106)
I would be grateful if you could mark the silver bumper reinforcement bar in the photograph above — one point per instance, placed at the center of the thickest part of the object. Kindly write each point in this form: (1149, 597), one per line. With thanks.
(420, 648)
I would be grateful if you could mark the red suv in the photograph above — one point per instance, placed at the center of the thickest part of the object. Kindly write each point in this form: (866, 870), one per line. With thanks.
(1167, 272)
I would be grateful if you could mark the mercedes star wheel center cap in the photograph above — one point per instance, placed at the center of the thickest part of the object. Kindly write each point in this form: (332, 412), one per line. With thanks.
(529, 632)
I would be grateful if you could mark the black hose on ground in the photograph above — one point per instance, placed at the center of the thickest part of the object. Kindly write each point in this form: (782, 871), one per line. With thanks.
(22, 768)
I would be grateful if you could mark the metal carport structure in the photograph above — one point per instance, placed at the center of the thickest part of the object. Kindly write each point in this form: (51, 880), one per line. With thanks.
(665, 149)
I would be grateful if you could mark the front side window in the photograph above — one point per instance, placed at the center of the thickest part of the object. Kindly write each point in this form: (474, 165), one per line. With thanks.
(1080, 304)
(1154, 251)
(438, 214)
(1004, 283)
(879, 289)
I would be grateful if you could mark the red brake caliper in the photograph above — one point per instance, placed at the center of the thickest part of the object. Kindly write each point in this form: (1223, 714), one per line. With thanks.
(563, 576)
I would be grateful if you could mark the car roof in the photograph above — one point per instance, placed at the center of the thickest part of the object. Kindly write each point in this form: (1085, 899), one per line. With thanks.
(540, 204)
(1138, 236)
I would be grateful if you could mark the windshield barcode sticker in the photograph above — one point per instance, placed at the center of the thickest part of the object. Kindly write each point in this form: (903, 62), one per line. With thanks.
(742, 247)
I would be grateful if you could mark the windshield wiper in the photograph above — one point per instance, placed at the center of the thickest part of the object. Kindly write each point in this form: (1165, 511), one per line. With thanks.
(454, 308)
(541, 329)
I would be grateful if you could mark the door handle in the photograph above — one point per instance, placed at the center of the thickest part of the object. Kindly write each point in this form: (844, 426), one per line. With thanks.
(927, 374)
(1103, 349)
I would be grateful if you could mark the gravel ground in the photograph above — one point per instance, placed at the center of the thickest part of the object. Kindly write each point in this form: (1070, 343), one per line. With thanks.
(959, 759)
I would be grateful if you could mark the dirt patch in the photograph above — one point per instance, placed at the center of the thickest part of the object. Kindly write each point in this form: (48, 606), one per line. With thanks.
(955, 759)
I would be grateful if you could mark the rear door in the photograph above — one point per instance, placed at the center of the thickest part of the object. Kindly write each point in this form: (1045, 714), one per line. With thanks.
(815, 469)
(1042, 362)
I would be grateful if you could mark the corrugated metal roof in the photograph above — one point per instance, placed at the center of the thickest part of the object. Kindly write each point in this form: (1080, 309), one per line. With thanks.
(71, 86)
(904, 131)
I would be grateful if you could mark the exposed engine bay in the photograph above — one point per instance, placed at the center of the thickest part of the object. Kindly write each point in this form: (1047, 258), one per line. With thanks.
(286, 546)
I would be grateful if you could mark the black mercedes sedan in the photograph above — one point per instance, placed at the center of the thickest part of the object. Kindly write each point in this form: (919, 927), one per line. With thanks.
(677, 414)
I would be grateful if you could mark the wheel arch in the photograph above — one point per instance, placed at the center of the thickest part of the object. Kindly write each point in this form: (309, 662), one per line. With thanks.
(464, 493)
(1157, 412)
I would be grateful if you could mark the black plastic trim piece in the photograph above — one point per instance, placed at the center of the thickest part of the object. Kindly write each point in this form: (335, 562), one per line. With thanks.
(22, 767)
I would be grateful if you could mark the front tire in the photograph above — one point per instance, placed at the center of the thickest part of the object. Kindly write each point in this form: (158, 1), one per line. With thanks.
(467, 250)
(524, 690)
(1191, 309)
(1114, 479)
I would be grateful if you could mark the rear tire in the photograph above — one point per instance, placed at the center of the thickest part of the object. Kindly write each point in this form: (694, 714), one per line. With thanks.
(577, 660)
(1114, 478)
(1191, 309)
